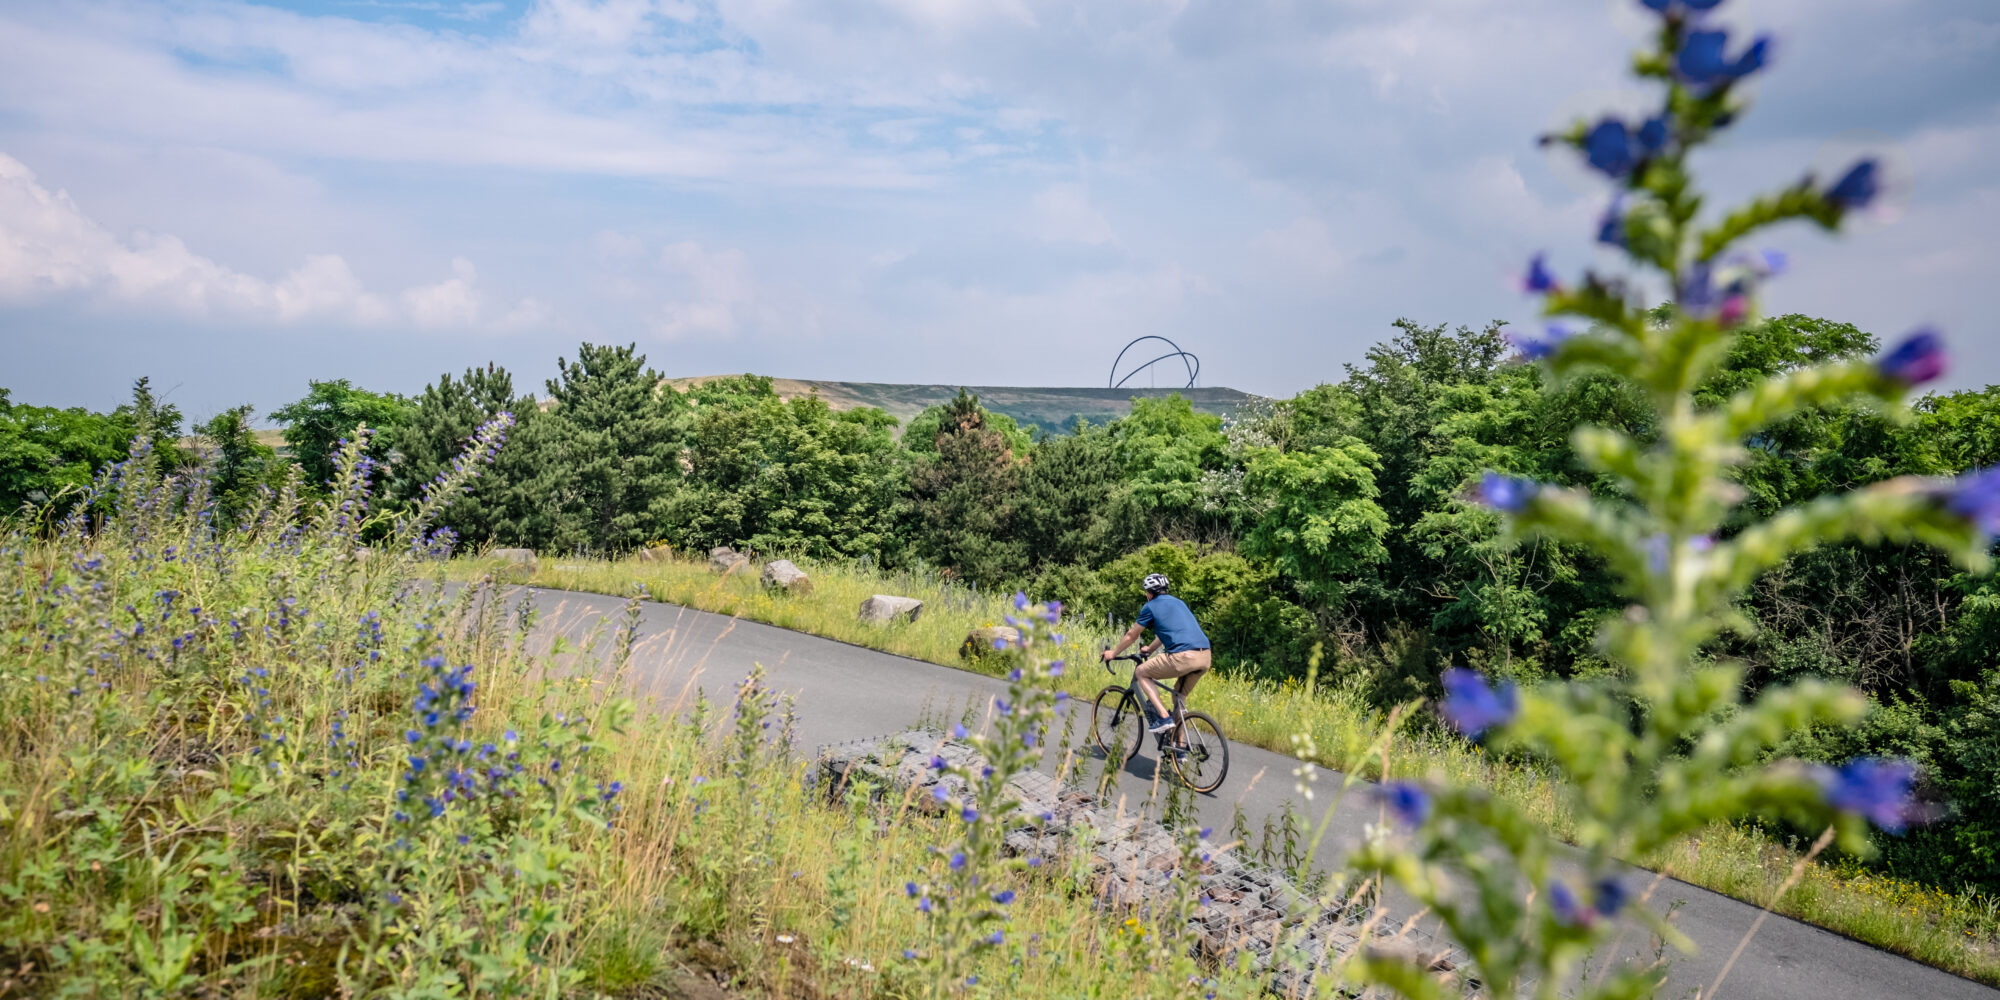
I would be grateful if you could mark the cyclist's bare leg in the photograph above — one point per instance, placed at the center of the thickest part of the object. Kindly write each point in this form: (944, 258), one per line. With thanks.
(1152, 692)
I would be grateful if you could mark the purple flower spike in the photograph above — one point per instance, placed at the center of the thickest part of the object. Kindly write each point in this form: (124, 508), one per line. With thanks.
(1918, 359)
(1611, 896)
(1472, 706)
(1876, 789)
(1975, 496)
(1564, 906)
(1505, 493)
(1408, 803)
(958, 861)
(1608, 146)
(1857, 188)
(1020, 600)
(1539, 280)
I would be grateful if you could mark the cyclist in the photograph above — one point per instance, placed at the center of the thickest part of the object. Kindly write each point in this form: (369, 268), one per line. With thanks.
(1186, 650)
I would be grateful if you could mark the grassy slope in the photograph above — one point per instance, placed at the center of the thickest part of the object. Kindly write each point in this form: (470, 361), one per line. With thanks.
(1959, 933)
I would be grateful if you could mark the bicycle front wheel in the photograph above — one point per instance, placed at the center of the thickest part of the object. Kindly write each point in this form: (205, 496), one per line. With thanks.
(1116, 724)
(1205, 761)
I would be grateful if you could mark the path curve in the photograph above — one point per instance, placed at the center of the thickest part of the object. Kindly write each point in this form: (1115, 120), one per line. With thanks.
(847, 692)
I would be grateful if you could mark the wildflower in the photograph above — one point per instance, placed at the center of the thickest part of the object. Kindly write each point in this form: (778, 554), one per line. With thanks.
(1611, 225)
(997, 937)
(1610, 896)
(1702, 61)
(958, 861)
(1975, 496)
(1505, 493)
(911, 889)
(1474, 707)
(924, 905)
(1857, 188)
(1020, 601)
(1876, 789)
(1608, 147)
(970, 815)
(1408, 803)
(1531, 348)
(1680, 6)
(1004, 896)
(1564, 906)
(1539, 279)
(1918, 359)
(958, 731)
(909, 954)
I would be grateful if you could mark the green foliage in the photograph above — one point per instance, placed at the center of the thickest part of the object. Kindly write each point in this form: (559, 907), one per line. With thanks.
(1172, 455)
(244, 466)
(966, 499)
(440, 422)
(46, 453)
(921, 433)
(794, 478)
(606, 455)
(327, 414)
(1320, 524)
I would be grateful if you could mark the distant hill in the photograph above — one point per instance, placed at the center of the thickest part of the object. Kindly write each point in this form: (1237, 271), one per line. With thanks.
(1051, 408)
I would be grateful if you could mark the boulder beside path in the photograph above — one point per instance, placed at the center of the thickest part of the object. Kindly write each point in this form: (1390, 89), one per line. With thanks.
(781, 574)
(888, 608)
(723, 559)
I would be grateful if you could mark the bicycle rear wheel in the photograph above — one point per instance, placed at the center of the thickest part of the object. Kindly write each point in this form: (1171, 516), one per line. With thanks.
(1116, 724)
(1206, 760)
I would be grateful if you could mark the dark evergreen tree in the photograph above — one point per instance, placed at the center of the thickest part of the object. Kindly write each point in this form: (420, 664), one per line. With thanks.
(965, 500)
(440, 423)
(609, 457)
(242, 463)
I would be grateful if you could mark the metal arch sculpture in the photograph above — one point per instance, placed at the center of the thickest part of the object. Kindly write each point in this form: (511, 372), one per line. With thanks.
(1187, 360)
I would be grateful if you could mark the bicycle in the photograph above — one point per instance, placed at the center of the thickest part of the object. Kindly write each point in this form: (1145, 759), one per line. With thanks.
(1196, 747)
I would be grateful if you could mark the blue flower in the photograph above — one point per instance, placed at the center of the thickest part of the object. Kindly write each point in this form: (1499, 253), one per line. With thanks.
(958, 861)
(1409, 804)
(1564, 906)
(1505, 493)
(1876, 789)
(1918, 359)
(1857, 188)
(958, 731)
(1611, 895)
(1651, 136)
(1611, 225)
(1609, 148)
(924, 905)
(1020, 601)
(1680, 6)
(909, 954)
(911, 888)
(969, 814)
(1703, 60)
(1539, 279)
(1004, 896)
(1472, 706)
(1975, 496)
(1531, 348)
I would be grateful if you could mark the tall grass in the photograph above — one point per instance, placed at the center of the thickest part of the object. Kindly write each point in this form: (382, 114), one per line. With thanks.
(250, 763)
(1955, 931)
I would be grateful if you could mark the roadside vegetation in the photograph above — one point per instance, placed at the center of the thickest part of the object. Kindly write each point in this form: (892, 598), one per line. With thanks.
(1953, 929)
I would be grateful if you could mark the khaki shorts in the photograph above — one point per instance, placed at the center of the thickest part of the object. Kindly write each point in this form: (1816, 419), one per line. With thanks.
(1188, 664)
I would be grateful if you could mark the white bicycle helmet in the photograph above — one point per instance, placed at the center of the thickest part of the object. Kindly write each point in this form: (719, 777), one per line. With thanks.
(1157, 583)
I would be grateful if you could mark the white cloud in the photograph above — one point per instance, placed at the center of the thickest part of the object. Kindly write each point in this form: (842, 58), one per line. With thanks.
(1062, 213)
(50, 248)
(716, 291)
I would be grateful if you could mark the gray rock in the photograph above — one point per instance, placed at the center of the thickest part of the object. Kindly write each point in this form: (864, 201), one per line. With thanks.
(979, 642)
(887, 608)
(721, 550)
(780, 574)
(724, 559)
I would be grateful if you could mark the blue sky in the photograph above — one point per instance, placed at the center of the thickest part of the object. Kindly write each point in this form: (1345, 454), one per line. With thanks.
(236, 197)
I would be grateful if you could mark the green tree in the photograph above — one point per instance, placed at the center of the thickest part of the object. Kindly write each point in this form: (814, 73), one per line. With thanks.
(1321, 526)
(440, 422)
(1076, 504)
(329, 412)
(965, 499)
(792, 477)
(45, 451)
(608, 457)
(242, 464)
(1177, 462)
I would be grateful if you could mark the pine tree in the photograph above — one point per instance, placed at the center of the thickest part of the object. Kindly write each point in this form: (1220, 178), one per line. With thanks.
(441, 421)
(612, 449)
(965, 499)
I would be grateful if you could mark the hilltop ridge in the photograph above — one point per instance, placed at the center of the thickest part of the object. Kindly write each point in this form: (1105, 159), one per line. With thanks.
(1048, 407)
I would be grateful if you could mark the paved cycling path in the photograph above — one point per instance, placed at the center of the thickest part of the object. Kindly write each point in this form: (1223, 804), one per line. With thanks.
(848, 692)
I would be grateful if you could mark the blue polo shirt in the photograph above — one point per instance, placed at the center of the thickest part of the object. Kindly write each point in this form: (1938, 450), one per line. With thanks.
(1171, 620)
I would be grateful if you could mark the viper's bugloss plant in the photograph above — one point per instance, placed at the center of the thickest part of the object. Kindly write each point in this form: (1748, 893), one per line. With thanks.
(1669, 744)
(967, 894)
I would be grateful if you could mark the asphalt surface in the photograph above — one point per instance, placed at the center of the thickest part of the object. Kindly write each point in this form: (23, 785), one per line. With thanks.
(847, 692)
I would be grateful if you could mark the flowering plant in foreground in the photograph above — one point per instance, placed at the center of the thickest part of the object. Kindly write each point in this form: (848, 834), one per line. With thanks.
(1670, 745)
(966, 895)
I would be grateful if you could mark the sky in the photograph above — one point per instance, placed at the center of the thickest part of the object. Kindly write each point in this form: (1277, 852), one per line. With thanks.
(236, 197)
